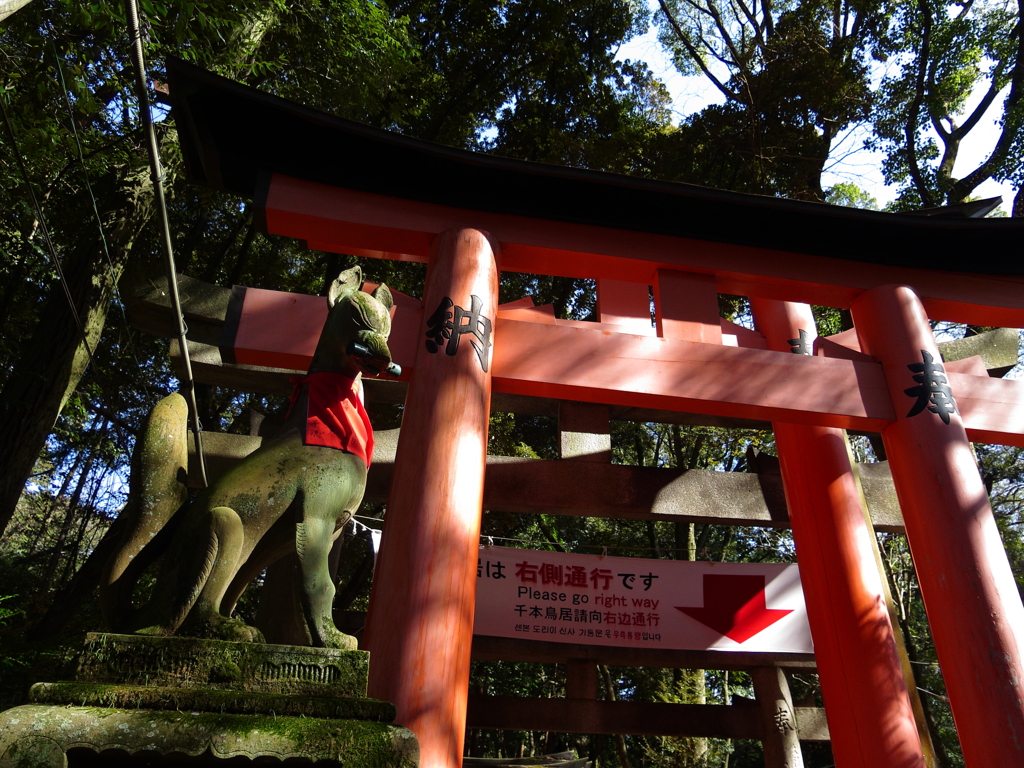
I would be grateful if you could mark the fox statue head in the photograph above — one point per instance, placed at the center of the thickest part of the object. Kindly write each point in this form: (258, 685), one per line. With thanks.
(355, 336)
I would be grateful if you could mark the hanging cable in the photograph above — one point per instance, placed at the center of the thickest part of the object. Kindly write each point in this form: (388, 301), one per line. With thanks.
(139, 63)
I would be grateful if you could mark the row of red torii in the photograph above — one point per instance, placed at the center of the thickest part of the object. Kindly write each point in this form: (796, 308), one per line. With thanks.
(437, 490)
(885, 376)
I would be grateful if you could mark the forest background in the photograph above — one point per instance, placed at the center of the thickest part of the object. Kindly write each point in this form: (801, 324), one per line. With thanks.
(532, 79)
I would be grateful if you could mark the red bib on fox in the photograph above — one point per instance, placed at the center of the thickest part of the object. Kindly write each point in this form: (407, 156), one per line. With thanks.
(335, 416)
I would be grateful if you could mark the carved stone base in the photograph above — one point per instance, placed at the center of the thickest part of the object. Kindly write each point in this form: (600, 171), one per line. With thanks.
(208, 700)
(186, 662)
(36, 736)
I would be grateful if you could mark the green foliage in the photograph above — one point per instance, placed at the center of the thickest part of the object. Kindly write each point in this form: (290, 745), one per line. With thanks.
(8, 662)
(850, 196)
(540, 74)
(944, 55)
(793, 77)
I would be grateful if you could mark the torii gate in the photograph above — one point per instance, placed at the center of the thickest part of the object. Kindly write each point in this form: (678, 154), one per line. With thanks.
(344, 187)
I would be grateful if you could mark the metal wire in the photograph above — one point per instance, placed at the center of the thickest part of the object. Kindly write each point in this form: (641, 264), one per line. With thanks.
(157, 174)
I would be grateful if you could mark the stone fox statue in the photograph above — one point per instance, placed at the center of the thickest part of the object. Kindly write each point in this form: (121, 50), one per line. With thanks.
(293, 494)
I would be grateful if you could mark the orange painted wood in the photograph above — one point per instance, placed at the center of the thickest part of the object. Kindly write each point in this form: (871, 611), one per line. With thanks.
(870, 717)
(992, 409)
(827, 346)
(973, 365)
(573, 363)
(420, 627)
(279, 330)
(364, 224)
(686, 306)
(625, 305)
(734, 335)
(594, 362)
(973, 606)
(530, 313)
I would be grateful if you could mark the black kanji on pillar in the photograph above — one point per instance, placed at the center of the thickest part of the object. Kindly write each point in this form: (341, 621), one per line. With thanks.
(800, 345)
(450, 322)
(932, 390)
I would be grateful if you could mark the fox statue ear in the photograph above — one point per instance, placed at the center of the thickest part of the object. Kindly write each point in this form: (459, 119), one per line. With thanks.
(347, 283)
(383, 294)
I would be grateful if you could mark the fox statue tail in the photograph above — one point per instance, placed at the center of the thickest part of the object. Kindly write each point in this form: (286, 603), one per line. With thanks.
(158, 488)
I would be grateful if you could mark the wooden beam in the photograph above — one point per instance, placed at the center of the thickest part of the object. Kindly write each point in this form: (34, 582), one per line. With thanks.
(579, 364)
(574, 363)
(737, 721)
(205, 307)
(209, 368)
(627, 306)
(997, 348)
(686, 306)
(487, 648)
(637, 378)
(588, 489)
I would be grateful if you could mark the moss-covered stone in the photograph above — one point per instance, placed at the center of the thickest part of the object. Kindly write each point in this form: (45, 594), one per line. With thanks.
(184, 696)
(211, 700)
(355, 743)
(175, 662)
(998, 349)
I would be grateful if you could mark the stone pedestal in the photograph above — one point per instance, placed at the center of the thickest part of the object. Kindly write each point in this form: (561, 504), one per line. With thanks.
(209, 699)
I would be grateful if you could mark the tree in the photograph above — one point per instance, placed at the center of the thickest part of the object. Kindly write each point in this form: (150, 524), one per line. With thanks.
(793, 76)
(947, 53)
(82, 147)
(850, 196)
(99, 207)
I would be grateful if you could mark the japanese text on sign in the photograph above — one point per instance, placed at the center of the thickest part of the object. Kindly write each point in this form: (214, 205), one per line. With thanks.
(639, 603)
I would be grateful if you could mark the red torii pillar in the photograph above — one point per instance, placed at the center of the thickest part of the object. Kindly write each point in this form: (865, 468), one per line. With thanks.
(870, 717)
(420, 627)
(974, 609)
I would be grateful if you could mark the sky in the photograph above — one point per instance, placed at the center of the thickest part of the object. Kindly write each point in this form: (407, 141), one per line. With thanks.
(850, 162)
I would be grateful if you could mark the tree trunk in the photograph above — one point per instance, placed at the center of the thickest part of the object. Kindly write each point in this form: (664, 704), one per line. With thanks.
(54, 358)
(620, 740)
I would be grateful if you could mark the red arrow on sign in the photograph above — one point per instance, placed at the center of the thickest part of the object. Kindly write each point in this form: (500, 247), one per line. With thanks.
(734, 606)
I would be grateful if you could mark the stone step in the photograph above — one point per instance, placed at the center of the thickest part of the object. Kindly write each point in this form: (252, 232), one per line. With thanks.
(211, 700)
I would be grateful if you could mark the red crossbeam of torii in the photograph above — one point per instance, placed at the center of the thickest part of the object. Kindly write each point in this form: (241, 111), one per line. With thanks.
(688, 360)
(347, 188)
(537, 354)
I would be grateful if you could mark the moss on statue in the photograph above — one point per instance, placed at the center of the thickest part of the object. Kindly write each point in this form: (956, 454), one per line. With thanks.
(203, 699)
(188, 662)
(176, 695)
(355, 743)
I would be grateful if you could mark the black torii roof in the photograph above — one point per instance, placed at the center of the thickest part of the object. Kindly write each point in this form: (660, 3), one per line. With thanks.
(232, 136)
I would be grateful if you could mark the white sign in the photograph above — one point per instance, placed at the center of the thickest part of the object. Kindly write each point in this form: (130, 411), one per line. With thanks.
(636, 603)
